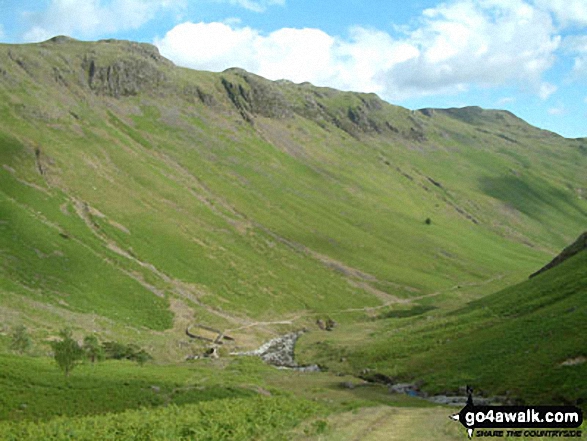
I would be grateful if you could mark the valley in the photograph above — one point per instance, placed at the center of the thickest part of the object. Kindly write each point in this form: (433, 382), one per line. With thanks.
(141, 202)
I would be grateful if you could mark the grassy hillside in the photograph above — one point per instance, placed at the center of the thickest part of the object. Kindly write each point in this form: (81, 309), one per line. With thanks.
(138, 198)
(235, 399)
(526, 342)
(127, 182)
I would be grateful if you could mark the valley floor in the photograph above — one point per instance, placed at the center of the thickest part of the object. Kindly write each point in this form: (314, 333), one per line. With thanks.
(235, 398)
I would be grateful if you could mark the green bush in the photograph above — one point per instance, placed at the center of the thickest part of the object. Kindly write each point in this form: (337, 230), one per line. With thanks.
(20, 340)
(67, 351)
(118, 351)
(92, 349)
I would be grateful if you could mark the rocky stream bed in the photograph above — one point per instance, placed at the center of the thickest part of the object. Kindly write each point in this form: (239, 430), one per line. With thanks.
(279, 352)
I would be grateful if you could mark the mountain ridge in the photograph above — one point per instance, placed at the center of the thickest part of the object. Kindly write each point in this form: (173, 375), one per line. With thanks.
(114, 74)
(251, 201)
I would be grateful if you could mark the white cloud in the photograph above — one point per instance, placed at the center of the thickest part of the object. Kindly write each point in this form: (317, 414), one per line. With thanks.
(577, 46)
(296, 54)
(92, 18)
(506, 100)
(211, 46)
(556, 111)
(566, 12)
(546, 89)
(451, 48)
(484, 42)
(1, 31)
(256, 5)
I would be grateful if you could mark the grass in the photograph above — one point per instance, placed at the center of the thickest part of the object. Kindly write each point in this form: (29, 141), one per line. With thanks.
(34, 389)
(238, 398)
(132, 216)
(231, 419)
(231, 209)
(511, 343)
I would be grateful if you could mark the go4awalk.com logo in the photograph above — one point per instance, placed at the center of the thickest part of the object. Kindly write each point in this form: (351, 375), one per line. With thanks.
(520, 421)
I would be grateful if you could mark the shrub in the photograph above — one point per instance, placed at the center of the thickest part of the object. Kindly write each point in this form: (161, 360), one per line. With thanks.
(119, 351)
(92, 349)
(67, 351)
(21, 341)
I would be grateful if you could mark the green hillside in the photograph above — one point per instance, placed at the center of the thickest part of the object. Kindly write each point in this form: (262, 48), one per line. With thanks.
(527, 342)
(125, 177)
(138, 198)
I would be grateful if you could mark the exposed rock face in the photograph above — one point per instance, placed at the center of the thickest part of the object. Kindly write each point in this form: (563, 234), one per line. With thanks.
(119, 69)
(579, 245)
(256, 96)
(356, 116)
(360, 114)
(427, 112)
(124, 77)
(355, 113)
(136, 68)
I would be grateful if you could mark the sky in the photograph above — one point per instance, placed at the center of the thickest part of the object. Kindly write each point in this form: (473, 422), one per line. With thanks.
(525, 56)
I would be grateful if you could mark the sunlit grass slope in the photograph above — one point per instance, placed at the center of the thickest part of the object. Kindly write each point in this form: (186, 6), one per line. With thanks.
(239, 398)
(126, 182)
(527, 342)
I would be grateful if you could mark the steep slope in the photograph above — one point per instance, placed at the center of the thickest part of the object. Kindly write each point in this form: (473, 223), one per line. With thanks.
(133, 191)
(526, 342)
(576, 247)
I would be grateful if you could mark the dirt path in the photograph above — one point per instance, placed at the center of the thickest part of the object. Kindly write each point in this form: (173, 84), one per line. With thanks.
(367, 309)
(386, 423)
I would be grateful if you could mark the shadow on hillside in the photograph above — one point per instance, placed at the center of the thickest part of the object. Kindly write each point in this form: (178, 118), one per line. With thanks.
(405, 313)
(536, 200)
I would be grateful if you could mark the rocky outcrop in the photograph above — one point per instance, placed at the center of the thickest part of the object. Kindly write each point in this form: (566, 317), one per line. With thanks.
(358, 115)
(119, 69)
(123, 77)
(579, 245)
(354, 113)
(124, 69)
(253, 95)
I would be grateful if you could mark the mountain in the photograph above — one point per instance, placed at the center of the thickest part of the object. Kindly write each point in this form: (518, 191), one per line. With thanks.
(137, 197)
(142, 204)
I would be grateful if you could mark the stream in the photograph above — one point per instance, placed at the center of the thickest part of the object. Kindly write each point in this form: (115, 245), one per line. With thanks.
(279, 352)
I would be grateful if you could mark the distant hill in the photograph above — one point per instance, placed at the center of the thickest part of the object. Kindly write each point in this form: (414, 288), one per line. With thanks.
(137, 197)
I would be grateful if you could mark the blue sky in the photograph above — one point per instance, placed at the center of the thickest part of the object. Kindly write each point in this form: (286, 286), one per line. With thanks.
(526, 56)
